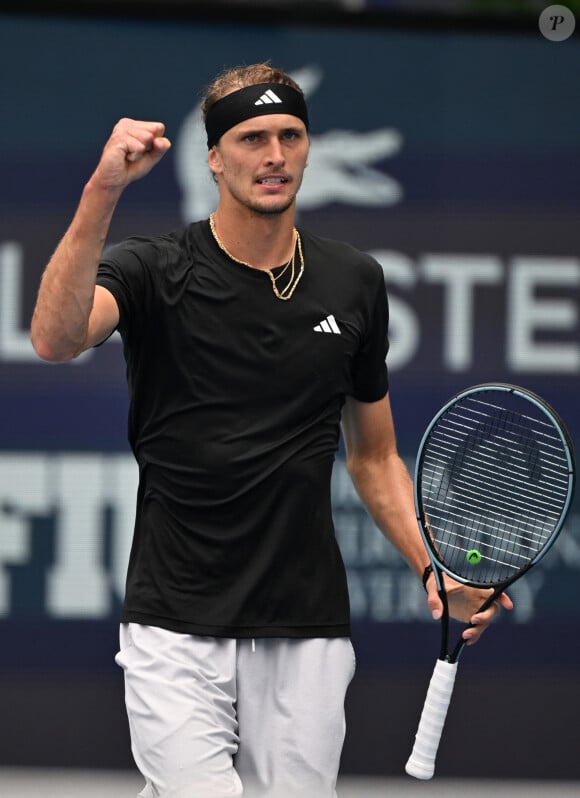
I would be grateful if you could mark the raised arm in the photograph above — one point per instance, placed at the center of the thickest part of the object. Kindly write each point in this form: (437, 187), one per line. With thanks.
(72, 313)
(386, 489)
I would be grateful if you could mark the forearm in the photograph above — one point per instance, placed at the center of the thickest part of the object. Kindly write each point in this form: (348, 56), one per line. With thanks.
(65, 298)
(386, 490)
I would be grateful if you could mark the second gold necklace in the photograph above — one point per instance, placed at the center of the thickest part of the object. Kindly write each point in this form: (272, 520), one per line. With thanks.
(290, 287)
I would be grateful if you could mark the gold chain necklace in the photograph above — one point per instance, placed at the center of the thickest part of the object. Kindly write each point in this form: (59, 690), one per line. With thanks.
(290, 287)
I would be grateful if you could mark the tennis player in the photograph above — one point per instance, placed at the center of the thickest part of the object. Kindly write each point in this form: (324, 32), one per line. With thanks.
(248, 343)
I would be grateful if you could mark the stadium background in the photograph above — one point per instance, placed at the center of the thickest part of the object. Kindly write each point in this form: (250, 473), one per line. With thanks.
(446, 145)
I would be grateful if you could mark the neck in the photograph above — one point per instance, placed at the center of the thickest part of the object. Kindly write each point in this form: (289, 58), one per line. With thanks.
(262, 241)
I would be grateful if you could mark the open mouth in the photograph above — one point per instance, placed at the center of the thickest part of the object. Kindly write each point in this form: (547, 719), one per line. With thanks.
(272, 181)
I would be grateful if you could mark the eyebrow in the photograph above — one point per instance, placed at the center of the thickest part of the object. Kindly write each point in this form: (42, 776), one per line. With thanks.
(257, 131)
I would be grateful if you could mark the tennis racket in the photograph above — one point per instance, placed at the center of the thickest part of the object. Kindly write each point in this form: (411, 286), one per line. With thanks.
(494, 480)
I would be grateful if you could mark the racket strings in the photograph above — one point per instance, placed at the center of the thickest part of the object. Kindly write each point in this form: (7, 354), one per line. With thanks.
(476, 487)
(494, 483)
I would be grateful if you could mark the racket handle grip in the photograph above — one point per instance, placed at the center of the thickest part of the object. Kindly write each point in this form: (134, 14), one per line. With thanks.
(421, 763)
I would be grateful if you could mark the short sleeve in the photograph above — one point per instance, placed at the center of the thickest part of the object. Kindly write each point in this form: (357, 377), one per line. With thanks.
(370, 375)
(125, 272)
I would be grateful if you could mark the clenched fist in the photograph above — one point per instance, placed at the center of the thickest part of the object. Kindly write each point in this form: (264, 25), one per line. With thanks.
(133, 149)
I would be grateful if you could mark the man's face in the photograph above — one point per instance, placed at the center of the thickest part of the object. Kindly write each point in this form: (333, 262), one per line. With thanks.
(260, 162)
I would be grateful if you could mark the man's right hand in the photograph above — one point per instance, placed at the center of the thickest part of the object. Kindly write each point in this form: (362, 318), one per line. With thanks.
(133, 149)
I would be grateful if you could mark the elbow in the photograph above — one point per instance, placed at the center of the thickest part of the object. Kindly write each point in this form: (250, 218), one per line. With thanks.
(47, 351)
(353, 467)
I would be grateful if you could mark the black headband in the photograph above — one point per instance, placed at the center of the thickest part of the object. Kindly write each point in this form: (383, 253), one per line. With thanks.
(257, 100)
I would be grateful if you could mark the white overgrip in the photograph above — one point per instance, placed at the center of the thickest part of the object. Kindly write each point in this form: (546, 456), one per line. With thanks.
(421, 763)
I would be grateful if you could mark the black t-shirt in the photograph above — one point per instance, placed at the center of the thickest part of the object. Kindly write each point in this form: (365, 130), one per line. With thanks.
(235, 404)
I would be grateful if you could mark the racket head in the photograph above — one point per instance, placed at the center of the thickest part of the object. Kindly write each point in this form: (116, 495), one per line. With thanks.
(494, 480)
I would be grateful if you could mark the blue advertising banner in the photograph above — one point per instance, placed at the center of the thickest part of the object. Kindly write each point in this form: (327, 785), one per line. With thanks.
(452, 157)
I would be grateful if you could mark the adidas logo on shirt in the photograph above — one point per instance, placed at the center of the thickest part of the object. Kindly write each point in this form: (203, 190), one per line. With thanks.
(328, 325)
(267, 98)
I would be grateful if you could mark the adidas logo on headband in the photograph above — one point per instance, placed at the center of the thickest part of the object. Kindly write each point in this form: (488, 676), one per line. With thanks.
(268, 97)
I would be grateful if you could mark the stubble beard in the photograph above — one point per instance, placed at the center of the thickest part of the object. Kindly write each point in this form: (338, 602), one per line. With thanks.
(267, 208)
(272, 210)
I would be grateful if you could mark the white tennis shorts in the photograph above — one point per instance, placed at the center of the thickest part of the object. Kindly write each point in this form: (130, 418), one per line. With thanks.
(215, 717)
